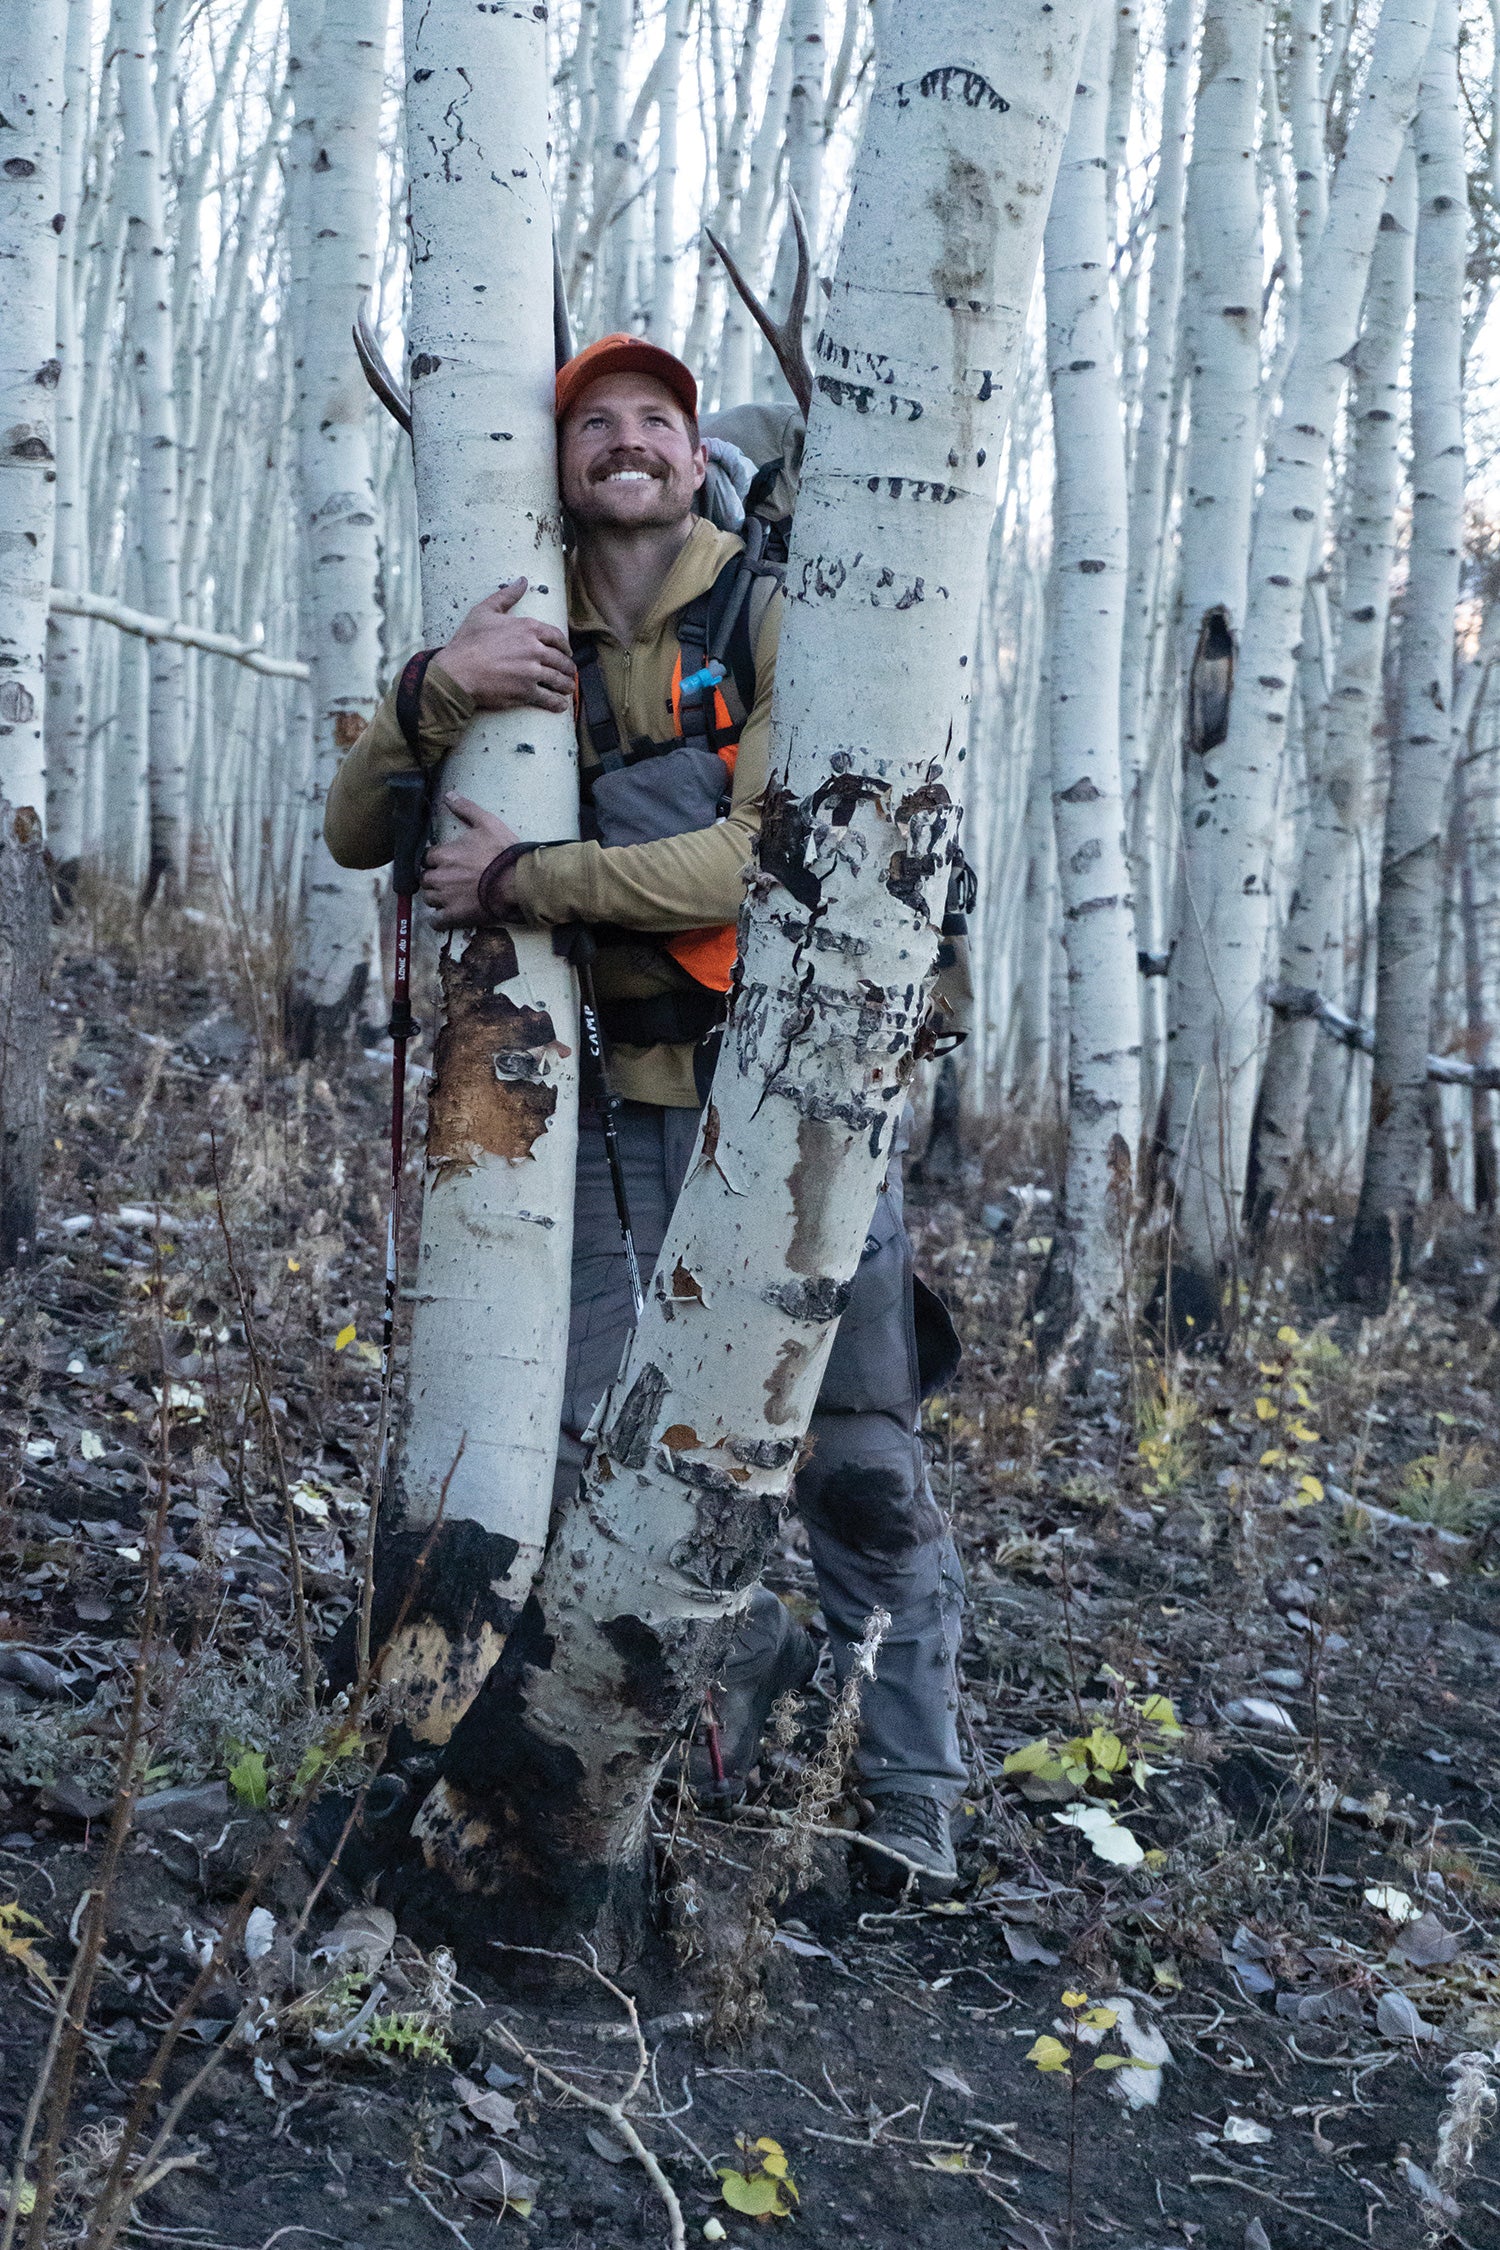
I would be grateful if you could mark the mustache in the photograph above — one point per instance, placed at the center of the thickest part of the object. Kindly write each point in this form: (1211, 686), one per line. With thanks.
(618, 461)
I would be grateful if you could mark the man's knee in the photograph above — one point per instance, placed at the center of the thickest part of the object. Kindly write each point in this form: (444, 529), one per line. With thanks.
(864, 1483)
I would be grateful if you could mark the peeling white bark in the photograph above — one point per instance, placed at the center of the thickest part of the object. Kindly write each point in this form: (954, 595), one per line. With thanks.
(490, 1327)
(915, 364)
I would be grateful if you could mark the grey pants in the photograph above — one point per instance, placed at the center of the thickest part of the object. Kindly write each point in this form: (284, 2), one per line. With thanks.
(877, 1538)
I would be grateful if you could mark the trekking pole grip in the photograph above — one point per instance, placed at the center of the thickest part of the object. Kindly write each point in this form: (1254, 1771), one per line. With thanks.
(408, 801)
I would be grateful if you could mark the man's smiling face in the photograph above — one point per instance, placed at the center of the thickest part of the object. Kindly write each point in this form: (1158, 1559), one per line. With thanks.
(628, 457)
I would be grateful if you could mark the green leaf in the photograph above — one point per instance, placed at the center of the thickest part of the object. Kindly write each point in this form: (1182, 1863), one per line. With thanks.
(1048, 2053)
(249, 1780)
(1120, 2062)
(1034, 1757)
(757, 2198)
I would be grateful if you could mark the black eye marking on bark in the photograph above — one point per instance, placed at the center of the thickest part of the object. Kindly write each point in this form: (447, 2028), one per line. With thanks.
(863, 398)
(956, 82)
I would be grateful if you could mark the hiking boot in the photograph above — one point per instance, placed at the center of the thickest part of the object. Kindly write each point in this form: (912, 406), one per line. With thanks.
(771, 1655)
(917, 1828)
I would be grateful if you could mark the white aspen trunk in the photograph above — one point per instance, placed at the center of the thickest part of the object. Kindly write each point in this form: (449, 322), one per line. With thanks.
(1127, 47)
(1230, 811)
(541, 1812)
(736, 346)
(804, 156)
(1307, 117)
(1091, 1249)
(729, 188)
(662, 322)
(338, 86)
(32, 53)
(67, 675)
(31, 106)
(491, 1288)
(149, 316)
(1153, 462)
(1339, 784)
(1411, 871)
(1221, 312)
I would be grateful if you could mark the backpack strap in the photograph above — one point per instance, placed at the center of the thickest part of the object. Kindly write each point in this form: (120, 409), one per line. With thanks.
(716, 633)
(595, 708)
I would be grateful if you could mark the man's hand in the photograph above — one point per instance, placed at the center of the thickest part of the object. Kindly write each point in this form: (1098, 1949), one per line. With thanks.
(510, 663)
(451, 872)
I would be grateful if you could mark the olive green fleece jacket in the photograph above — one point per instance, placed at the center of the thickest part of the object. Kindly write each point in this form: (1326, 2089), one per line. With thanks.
(679, 883)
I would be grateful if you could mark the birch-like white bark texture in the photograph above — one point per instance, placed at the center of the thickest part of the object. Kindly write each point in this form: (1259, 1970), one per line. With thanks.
(489, 1333)
(546, 1785)
(1411, 868)
(1230, 815)
(1089, 543)
(158, 527)
(1339, 786)
(1221, 315)
(67, 676)
(339, 49)
(1151, 460)
(31, 104)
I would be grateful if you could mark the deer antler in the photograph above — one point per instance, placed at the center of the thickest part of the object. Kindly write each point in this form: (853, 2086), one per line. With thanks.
(784, 338)
(378, 375)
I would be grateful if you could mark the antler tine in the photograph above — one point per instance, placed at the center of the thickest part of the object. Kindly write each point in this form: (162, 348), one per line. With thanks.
(562, 326)
(378, 375)
(784, 337)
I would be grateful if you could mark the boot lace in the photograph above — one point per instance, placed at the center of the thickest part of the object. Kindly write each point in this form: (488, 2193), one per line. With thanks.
(903, 1815)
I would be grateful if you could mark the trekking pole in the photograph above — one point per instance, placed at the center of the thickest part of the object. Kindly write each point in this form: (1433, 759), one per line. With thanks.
(580, 949)
(408, 801)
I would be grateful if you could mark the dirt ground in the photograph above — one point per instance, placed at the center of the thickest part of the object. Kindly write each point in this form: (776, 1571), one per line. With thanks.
(1236, 1615)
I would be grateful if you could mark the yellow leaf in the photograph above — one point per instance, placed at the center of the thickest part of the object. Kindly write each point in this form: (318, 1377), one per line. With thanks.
(1100, 2019)
(1048, 2053)
(344, 1338)
(1273, 1458)
(1119, 2062)
(950, 2160)
(1311, 1487)
(1264, 1410)
(1107, 1750)
(1268, 1366)
(756, 2197)
(1287, 1335)
(521, 2204)
(767, 2147)
(1033, 1757)
(1156, 1857)
(1300, 1394)
(1159, 1711)
(17, 1946)
(775, 2165)
(1075, 1999)
(1304, 1435)
(1165, 1973)
(293, 1266)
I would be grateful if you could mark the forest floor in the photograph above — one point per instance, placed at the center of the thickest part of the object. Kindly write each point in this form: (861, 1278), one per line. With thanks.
(1238, 1617)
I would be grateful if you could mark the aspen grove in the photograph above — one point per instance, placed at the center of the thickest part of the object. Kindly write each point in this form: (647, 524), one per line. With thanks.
(1107, 396)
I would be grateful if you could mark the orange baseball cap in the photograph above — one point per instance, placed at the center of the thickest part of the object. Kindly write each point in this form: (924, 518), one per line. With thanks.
(624, 355)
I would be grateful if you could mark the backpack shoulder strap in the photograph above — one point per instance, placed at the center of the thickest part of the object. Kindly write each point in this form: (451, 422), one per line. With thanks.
(600, 723)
